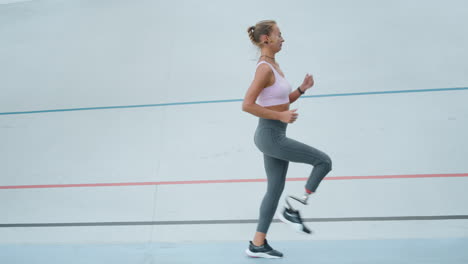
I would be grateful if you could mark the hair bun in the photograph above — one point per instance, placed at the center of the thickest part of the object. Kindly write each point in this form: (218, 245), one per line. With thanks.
(264, 27)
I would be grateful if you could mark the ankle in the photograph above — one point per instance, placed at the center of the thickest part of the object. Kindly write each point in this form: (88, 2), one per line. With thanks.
(306, 195)
(258, 242)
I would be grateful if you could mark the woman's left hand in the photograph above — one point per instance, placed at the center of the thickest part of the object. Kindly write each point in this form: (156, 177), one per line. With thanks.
(308, 82)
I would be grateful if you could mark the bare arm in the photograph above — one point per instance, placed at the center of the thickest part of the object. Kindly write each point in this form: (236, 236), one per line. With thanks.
(307, 84)
(294, 96)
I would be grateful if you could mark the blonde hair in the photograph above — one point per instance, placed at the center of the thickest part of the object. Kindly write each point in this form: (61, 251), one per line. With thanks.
(264, 27)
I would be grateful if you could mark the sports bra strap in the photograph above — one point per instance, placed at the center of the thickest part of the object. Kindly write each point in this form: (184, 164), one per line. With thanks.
(271, 66)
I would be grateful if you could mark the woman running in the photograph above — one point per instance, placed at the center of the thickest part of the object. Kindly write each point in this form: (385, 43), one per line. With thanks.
(269, 97)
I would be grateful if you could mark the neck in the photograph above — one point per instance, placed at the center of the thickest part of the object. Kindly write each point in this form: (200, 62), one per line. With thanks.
(268, 54)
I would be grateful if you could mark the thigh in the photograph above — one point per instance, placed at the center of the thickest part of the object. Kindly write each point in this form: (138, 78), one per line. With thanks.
(295, 151)
(275, 144)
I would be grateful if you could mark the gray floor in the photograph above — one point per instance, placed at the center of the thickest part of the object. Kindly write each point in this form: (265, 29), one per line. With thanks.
(332, 251)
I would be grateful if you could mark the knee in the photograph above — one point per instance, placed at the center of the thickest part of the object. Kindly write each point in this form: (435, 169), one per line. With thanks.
(327, 163)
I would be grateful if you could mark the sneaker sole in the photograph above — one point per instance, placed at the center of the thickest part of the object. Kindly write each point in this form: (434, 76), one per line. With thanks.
(297, 227)
(259, 255)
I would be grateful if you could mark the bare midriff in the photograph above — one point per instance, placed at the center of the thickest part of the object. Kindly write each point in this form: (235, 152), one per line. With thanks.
(279, 108)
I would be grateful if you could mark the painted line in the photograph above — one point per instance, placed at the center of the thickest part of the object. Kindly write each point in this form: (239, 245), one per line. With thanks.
(241, 221)
(332, 178)
(230, 101)
(390, 92)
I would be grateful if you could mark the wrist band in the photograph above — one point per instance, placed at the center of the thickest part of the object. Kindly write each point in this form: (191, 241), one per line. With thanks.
(300, 91)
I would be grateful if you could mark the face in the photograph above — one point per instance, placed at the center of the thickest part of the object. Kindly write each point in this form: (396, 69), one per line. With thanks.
(275, 40)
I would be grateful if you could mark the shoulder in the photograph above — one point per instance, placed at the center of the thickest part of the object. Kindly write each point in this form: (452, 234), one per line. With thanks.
(263, 69)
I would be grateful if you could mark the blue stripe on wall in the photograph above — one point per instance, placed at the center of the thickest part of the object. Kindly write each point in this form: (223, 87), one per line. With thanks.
(229, 101)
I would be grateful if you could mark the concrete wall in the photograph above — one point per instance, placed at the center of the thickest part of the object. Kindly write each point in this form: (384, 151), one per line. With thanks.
(142, 101)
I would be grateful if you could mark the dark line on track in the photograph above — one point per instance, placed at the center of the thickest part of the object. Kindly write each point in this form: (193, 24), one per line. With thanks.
(239, 221)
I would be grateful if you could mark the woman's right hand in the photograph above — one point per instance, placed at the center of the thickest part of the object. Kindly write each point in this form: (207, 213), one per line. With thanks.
(288, 116)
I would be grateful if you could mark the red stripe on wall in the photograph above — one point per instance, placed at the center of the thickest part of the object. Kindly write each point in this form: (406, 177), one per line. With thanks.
(379, 177)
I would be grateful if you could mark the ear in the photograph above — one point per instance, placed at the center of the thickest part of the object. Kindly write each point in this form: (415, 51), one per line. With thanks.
(264, 39)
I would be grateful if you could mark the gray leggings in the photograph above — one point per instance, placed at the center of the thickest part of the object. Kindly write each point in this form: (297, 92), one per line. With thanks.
(278, 151)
